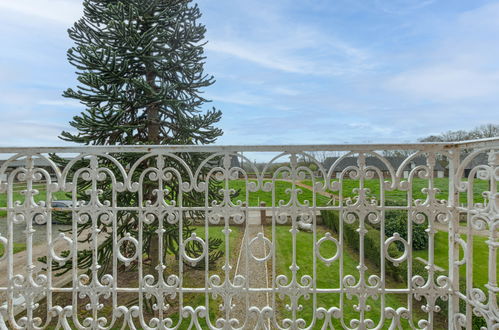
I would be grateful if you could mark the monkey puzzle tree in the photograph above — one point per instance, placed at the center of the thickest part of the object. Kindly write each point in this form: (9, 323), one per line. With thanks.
(140, 72)
(140, 66)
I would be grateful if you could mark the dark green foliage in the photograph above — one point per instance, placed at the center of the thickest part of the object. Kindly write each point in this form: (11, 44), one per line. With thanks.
(140, 69)
(372, 242)
(477, 322)
(396, 222)
(194, 249)
(140, 72)
(372, 251)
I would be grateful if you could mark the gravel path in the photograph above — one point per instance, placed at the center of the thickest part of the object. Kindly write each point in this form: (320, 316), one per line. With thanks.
(255, 271)
(19, 261)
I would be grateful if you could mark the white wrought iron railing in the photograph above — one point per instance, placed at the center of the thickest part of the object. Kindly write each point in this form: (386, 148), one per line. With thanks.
(315, 236)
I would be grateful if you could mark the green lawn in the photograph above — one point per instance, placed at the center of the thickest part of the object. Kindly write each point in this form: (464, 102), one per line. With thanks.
(195, 300)
(401, 196)
(480, 257)
(254, 197)
(327, 277)
(280, 194)
(18, 247)
(18, 197)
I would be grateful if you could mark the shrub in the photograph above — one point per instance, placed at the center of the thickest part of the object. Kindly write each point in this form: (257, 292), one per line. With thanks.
(372, 251)
(477, 322)
(396, 222)
(372, 243)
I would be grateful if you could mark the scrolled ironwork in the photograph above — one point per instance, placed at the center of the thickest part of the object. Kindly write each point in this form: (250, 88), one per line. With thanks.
(262, 280)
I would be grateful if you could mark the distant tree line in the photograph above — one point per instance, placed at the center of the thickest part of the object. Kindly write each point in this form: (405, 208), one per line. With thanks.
(480, 132)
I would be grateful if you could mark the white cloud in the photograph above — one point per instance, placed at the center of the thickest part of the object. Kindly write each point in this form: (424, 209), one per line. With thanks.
(285, 91)
(296, 57)
(27, 133)
(446, 82)
(371, 128)
(15, 97)
(61, 11)
(261, 33)
(400, 7)
(483, 18)
(461, 65)
(259, 54)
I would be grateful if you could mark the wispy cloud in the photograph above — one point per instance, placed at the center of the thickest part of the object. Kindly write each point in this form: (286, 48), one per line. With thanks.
(288, 71)
(444, 82)
(348, 59)
(60, 11)
(369, 127)
(461, 66)
(273, 40)
(401, 7)
(288, 91)
(240, 98)
(30, 133)
(256, 54)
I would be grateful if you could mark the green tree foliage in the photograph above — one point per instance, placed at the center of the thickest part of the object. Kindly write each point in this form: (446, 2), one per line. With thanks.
(479, 132)
(140, 71)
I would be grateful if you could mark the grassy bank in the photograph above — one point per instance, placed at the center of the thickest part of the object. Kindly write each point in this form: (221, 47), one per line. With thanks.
(480, 257)
(329, 277)
(400, 197)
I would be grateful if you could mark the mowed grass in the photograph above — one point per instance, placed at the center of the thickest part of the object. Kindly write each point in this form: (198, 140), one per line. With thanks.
(190, 279)
(17, 247)
(254, 198)
(281, 194)
(400, 196)
(329, 277)
(17, 196)
(480, 257)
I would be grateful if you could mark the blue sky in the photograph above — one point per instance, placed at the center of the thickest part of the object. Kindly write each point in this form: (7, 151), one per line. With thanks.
(287, 71)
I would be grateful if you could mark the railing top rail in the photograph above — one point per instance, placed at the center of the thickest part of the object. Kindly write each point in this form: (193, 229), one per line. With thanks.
(478, 143)
(421, 146)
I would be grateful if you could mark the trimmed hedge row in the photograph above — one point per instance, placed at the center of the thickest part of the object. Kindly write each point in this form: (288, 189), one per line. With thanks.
(372, 244)
(372, 252)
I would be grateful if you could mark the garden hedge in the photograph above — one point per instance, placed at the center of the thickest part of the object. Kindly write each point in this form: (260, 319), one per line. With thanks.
(372, 243)
(372, 252)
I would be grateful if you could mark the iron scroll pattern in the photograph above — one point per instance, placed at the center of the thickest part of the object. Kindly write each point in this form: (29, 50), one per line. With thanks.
(296, 299)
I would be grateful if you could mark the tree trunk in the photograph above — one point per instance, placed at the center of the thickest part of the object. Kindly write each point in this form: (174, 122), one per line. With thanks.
(153, 136)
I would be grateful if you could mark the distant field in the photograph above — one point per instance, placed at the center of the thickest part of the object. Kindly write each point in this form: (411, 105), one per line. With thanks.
(280, 194)
(18, 197)
(400, 196)
(397, 196)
